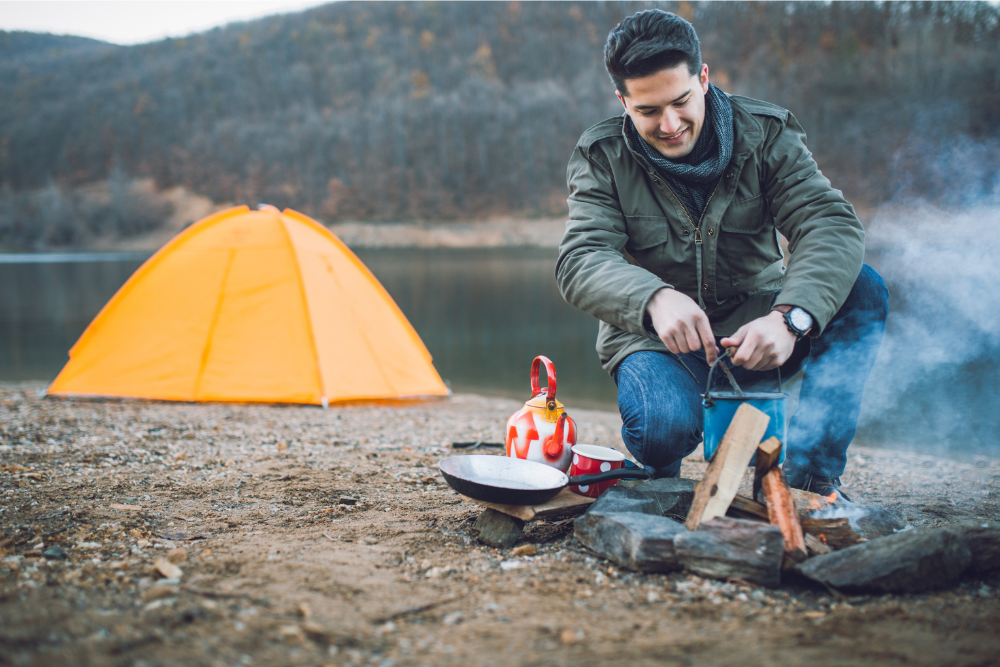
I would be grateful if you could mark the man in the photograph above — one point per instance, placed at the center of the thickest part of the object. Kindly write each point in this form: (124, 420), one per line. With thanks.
(672, 244)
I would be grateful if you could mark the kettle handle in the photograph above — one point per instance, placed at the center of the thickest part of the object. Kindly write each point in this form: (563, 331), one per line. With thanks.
(550, 371)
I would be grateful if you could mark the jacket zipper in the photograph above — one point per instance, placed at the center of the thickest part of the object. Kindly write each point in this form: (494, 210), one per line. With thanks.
(697, 235)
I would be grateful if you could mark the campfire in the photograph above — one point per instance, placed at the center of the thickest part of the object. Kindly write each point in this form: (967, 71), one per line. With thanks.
(780, 533)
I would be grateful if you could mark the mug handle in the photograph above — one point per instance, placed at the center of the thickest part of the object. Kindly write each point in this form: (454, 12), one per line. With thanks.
(550, 372)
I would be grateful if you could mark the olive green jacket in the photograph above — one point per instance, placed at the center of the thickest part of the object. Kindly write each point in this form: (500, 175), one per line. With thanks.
(629, 235)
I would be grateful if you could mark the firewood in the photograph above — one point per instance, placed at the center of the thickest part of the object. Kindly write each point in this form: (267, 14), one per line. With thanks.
(768, 455)
(745, 508)
(724, 474)
(834, 533)
(781, 512)
(816, 546)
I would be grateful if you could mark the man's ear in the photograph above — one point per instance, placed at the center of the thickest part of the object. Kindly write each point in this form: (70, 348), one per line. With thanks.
(704, 77)
(621, 99)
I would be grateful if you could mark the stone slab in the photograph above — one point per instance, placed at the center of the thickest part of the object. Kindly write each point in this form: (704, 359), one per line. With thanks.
(633, 540)
(911, 561)
(983, 540)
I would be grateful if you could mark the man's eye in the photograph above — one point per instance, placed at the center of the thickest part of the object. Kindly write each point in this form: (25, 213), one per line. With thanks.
(648, 112)
(680, 104)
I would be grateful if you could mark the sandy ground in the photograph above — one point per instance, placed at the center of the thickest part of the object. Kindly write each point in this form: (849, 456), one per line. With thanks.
(277, 570)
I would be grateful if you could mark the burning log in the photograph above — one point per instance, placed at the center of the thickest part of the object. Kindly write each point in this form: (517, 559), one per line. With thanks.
(745, 508)
(718, 487)
(781, 512)
(834, 533)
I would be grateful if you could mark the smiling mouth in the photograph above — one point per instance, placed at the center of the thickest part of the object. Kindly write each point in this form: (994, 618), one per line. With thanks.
(673, 137)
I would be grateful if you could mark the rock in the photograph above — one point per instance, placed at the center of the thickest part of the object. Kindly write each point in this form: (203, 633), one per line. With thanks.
(497, 529)
(725, 548)
(634, 540)
(177, 555)
(55, 552)
(673, 496)
(622, 499)
(878, 522)
(983, 540)
(158, 591)
(910, 561)
(168, 569)
(347, 500)
(524, 550)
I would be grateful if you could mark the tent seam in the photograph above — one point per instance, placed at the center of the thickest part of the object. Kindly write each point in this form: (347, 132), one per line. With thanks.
(211, 329)
(305, 305)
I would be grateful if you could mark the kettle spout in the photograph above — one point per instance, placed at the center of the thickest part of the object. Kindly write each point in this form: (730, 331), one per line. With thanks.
(554, 444)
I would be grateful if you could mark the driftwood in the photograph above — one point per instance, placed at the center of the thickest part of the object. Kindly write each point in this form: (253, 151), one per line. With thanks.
(724, 474)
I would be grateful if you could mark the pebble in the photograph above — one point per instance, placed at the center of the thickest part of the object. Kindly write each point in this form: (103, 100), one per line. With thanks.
(55, 552)
(177, 555)
(524, 550)
(167, 569)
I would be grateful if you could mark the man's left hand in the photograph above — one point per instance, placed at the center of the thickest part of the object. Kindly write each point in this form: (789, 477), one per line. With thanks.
(764, 344)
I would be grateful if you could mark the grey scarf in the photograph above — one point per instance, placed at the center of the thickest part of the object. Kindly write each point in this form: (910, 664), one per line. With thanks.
(693, 176)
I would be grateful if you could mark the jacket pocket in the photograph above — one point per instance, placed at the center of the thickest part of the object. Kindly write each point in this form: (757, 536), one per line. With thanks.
(646, 231)
(748, 243)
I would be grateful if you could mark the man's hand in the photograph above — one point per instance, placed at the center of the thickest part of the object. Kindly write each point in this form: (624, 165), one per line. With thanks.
(763, 344)
(681, 324)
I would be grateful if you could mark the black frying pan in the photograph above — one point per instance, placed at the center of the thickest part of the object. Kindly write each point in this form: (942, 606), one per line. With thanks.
(510, 481)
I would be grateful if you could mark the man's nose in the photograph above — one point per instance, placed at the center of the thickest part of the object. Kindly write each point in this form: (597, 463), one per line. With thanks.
(670, 123)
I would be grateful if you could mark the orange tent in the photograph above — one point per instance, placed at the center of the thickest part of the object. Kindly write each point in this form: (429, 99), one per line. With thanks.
(248, 305)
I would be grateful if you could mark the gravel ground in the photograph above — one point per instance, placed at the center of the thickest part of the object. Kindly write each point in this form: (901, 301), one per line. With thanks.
(275, 566)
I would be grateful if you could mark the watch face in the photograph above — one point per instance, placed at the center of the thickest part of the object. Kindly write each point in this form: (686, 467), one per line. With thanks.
(800, 319)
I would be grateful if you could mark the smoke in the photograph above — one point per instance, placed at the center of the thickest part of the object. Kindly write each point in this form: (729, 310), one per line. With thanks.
(936, 381)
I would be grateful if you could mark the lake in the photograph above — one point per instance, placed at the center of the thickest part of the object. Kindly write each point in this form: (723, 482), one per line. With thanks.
(484, 314)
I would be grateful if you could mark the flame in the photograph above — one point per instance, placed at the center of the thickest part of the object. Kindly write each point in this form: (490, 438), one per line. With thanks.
(832, 498)
(822, 538)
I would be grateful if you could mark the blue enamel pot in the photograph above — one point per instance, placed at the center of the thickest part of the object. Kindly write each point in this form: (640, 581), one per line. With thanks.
(719, 407)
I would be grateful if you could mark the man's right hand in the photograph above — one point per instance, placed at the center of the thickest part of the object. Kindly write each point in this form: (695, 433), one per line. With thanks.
(681, 324)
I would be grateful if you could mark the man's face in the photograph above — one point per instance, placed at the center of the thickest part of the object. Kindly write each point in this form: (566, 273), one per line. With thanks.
(668, 108)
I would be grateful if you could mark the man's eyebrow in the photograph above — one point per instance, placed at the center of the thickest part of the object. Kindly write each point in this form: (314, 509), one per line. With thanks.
(676, 99)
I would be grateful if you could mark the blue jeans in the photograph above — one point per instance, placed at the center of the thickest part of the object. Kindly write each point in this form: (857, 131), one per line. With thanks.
(660, 402)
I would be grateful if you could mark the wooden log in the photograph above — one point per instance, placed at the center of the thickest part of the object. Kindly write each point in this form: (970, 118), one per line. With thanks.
(781, 513)
(722, 478)
(733, 549)
(745, 508)
(835, 533)
(816, 546)
(768, 455)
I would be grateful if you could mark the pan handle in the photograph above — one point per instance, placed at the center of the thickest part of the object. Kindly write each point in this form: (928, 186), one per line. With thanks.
(620, 473)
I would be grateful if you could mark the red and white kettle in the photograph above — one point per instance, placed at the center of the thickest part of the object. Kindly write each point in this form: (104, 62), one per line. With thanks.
(542, 431)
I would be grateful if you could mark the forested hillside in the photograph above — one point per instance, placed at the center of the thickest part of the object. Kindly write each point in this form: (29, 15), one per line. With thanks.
(379, 111)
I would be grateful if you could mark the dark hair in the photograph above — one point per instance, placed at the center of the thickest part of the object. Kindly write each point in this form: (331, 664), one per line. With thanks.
(647, 42)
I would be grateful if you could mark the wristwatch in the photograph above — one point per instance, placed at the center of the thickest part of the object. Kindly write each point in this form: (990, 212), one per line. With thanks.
(798, 321)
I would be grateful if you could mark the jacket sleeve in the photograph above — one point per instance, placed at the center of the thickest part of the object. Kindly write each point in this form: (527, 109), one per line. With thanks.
(825, 238)
(592, 272)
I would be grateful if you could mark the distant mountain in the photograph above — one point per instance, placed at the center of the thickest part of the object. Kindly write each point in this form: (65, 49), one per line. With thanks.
(390, 110)
(18, 46)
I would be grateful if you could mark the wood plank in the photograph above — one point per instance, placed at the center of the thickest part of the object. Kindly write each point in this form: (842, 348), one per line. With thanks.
(564, 505)
(781, 512)
(722, 478)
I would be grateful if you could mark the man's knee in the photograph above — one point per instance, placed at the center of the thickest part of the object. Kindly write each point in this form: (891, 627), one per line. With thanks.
(660, 426)
(871, 293)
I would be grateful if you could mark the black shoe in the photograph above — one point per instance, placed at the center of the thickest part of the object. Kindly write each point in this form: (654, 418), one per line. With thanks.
(823, 486)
